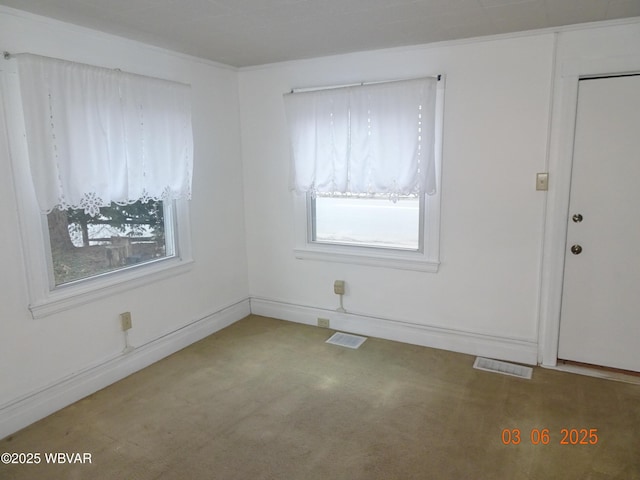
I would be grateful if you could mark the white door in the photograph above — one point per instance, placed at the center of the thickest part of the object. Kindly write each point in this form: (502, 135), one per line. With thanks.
(600, 319)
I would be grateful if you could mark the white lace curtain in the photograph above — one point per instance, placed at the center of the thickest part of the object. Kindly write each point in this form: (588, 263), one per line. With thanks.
(97, 136)
(364, 140)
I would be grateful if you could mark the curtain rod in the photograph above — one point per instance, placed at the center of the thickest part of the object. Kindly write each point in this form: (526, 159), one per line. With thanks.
(361, 84)
(8, 56)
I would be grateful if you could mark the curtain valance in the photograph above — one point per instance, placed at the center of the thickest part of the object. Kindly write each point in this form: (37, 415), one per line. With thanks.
(370, 139)
(97, 136)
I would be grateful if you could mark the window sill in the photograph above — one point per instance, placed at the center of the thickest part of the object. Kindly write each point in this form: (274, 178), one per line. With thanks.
(373, 257)
(72, 295)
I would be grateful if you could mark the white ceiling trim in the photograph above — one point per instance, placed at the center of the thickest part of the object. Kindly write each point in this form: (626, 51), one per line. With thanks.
(72, 27)
(436, 44)
(461, 41)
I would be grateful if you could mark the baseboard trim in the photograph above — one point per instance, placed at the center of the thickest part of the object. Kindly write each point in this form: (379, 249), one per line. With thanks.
(501, 348)
(596, 373)
(37, 405)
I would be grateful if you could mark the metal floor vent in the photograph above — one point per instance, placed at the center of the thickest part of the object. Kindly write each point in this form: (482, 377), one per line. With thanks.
(346, 340)
(505, 368)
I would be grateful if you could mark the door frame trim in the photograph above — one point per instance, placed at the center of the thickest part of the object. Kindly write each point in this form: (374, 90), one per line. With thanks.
(560, 157)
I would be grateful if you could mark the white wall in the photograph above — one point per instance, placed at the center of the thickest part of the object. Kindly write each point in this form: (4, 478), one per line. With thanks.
(35, 354)
(507, 117)
(497, 111)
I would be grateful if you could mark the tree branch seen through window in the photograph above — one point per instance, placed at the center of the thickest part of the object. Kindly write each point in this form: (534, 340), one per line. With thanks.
(121, 235)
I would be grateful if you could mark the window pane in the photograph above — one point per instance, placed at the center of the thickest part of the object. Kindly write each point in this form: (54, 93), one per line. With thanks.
(376, 222)
(120, 236)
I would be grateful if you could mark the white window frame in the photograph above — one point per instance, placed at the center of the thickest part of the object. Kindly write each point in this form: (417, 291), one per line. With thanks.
(425, 259)
(44, 298)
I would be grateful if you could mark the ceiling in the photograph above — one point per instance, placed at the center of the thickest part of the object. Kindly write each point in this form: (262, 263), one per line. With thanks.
(253, 32)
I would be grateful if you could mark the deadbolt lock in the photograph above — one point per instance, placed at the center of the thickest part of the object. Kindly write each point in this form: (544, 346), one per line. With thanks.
(576, 249)
(577, 218)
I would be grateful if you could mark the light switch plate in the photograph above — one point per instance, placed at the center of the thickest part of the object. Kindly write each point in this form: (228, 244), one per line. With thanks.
(542, 181)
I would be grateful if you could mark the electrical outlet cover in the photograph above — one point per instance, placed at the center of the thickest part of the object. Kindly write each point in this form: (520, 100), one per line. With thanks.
(125, 319)
(323, 322)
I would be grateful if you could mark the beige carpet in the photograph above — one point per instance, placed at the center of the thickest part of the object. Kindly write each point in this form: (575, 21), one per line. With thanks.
(267, 399)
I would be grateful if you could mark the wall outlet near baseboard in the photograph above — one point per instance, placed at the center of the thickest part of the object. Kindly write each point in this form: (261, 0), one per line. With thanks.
(125, 319)
(323, 322)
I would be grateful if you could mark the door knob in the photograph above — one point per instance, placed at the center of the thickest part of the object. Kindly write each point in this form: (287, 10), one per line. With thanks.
(577, 218)
(576, 249)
